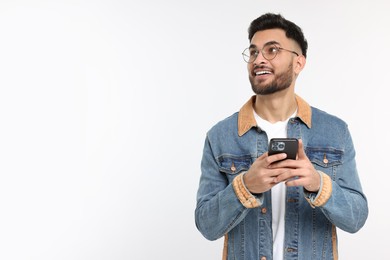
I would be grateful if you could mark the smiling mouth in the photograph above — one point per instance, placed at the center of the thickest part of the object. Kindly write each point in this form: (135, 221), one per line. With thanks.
(262, 72)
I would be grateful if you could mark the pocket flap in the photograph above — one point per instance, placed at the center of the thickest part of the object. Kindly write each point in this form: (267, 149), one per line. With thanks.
(325, 157)
(232, 164)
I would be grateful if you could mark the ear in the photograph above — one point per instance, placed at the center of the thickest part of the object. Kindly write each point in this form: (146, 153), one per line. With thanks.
(299, 64)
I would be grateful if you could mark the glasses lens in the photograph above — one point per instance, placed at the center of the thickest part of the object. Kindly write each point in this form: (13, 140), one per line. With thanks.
(270, 51)
(249, 55)
(245, 55)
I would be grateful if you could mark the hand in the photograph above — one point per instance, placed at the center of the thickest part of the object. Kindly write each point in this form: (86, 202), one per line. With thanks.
(299, 172)
(260, 176)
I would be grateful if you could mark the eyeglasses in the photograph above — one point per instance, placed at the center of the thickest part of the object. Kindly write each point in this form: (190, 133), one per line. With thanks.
(269, 52)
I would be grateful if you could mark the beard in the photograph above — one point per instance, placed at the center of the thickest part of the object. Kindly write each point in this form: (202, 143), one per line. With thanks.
(282, 81)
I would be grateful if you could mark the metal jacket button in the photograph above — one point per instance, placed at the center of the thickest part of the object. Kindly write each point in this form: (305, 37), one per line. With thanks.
(233, 168)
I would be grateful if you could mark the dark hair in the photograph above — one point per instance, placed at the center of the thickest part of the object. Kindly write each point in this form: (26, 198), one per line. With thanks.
(273, 21)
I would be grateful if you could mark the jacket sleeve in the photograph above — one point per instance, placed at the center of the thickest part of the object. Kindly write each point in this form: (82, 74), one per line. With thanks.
(343, 201)
(220, 205)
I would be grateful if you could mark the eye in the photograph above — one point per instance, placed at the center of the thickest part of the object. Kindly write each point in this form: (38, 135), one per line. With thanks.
(271, 50)
(253, 52)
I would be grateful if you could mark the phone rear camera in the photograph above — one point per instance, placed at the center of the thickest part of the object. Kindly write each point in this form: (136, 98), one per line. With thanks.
(278, 146)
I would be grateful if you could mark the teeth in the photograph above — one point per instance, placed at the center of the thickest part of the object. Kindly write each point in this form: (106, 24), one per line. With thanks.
(263, 72)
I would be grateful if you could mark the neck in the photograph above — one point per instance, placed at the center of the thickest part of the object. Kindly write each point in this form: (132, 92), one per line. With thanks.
(275, 107)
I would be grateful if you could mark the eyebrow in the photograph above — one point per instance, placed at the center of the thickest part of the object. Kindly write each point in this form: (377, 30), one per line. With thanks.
(252, 46)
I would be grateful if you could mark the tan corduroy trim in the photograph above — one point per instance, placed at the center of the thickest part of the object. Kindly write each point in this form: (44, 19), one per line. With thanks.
(225, 248)
(324, 193)
(246, 118)
(334, 243)
(246, 198)
(304, 111)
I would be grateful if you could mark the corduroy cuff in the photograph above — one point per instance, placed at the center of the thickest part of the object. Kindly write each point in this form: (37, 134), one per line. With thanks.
(246, 198)
(319, 199)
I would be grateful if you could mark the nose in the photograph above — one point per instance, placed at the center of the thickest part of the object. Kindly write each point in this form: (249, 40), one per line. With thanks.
(259, 59)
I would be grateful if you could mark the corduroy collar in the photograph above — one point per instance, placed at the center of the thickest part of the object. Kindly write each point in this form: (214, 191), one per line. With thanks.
(246, 119)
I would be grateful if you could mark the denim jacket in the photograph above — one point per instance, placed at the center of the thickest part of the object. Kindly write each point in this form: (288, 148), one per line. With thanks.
(226, 208)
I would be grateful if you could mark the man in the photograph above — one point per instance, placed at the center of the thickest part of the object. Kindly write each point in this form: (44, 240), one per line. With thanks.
(267, 207)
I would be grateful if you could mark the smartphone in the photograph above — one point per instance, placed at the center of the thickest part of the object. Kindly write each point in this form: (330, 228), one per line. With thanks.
(284, 145)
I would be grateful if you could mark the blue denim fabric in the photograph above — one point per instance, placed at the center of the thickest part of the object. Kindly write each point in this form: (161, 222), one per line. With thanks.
(310, 231)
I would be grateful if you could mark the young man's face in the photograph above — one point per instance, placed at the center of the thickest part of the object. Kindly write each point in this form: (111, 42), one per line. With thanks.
(276, 74)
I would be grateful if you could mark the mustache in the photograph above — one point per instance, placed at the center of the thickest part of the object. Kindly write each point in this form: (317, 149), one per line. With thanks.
(262, 67)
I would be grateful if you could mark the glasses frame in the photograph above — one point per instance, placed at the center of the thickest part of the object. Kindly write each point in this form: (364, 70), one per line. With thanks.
(246, 57)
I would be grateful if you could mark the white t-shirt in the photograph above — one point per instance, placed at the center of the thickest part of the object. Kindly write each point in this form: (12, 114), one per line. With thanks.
(278, 192)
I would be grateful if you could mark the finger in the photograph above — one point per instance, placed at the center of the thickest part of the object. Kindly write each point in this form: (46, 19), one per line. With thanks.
(285, 175)
(292, 164)
(275, 157)
(291, 183)
(266, 160)
(295, 182)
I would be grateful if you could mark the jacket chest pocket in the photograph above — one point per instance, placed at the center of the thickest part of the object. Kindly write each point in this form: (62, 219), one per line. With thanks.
(232, 165)
(325, 159)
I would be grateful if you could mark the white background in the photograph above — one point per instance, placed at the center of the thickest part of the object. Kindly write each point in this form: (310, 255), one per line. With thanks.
(104, 107)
